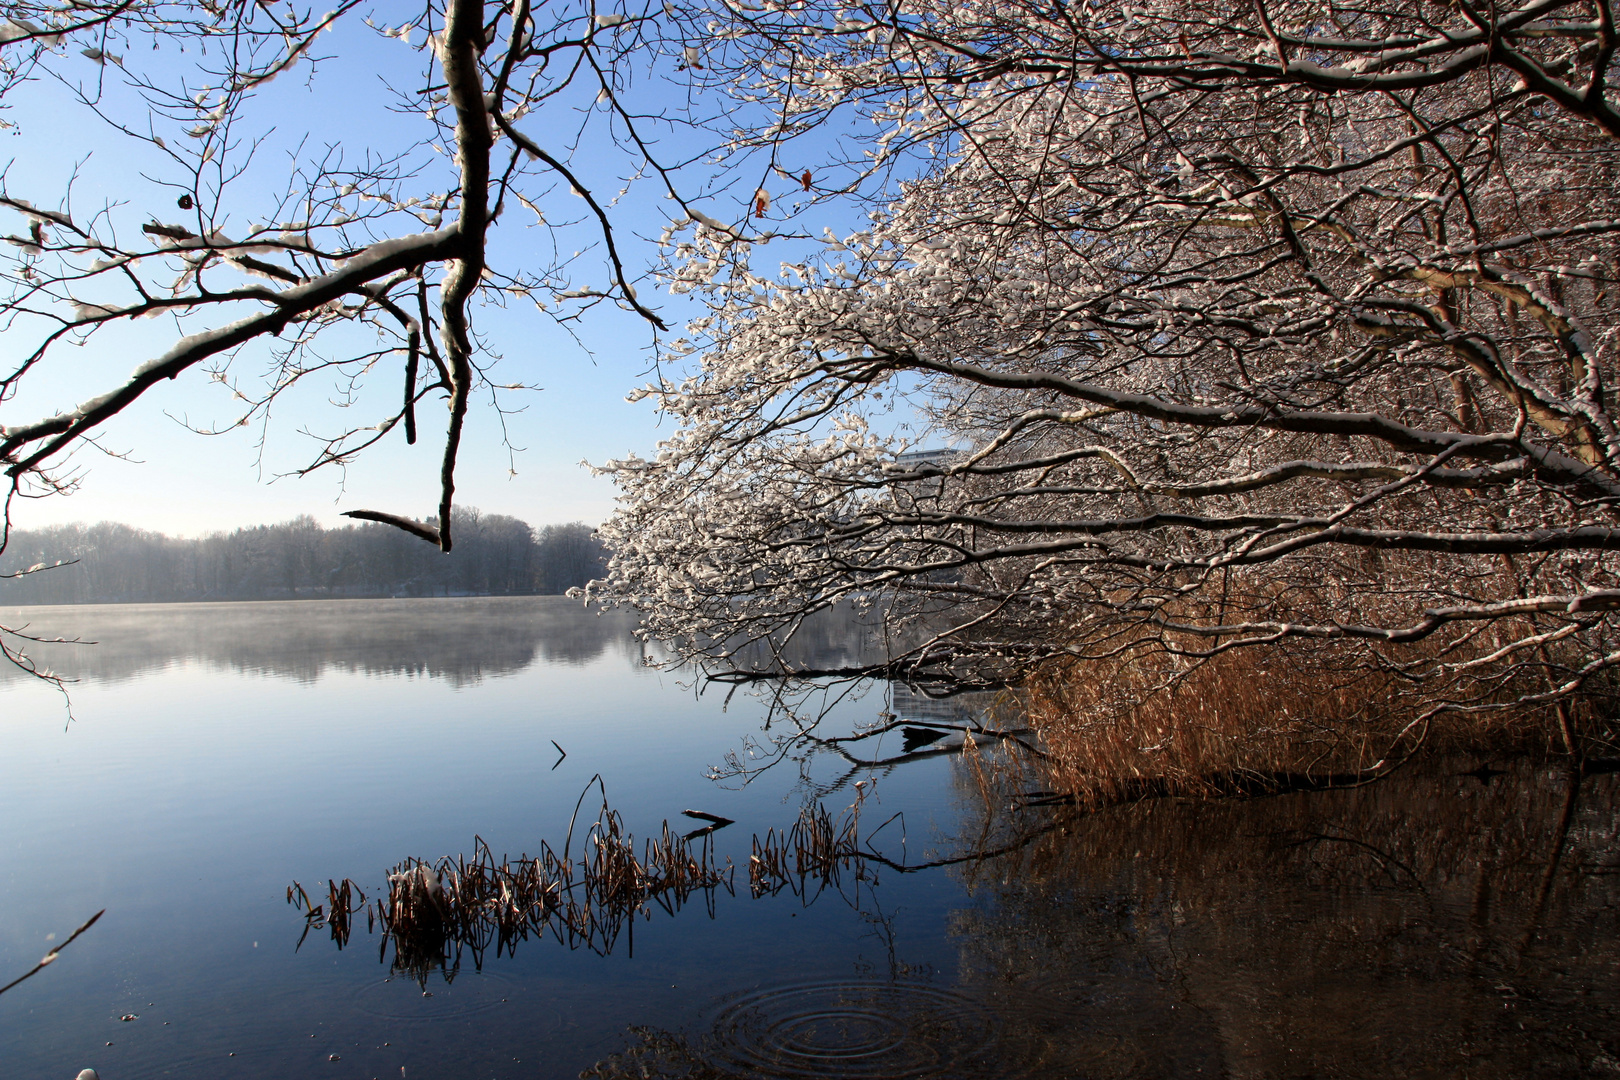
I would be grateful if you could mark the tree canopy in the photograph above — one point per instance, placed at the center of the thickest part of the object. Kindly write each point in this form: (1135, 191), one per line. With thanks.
(1230, 328)
(358, 240)
(1098, 328)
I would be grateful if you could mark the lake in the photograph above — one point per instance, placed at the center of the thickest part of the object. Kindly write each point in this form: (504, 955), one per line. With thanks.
(1452, 920)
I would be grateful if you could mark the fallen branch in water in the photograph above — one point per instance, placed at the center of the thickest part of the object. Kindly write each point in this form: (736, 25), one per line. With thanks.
(52, 955)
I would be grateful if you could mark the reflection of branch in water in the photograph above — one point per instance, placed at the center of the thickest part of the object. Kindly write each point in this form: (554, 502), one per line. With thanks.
(1228, 937)
(715, 823)
(916, 736)
(1383, 858)
(815, 852)
(788, 703)
(928, 736)
(875, 768)
(881, 926)
(1572, 796)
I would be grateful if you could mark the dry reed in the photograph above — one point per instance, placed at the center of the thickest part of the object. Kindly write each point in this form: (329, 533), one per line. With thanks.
(434, 911)
(1151, 721)
(336, 914)
(808, 857)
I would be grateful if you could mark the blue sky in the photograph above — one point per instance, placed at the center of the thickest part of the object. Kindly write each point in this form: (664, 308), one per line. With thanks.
(159, 475)
(182, 483)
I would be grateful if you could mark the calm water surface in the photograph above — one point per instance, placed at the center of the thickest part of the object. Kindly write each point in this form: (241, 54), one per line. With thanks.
(1438, 924)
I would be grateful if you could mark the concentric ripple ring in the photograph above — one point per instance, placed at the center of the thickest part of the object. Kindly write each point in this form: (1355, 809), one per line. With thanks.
(867, 1030)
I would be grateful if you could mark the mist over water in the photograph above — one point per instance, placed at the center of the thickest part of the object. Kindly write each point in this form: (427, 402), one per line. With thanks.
(1447, 922)
(459, 640)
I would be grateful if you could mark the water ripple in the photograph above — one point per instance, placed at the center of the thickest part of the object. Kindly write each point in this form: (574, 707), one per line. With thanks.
(864, 1030)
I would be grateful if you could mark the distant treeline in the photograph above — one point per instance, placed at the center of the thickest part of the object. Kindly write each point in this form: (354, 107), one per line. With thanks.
(494, 555)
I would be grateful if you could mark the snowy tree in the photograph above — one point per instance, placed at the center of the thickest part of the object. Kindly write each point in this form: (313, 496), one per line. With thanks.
(361, 264)
(1236, 326)
(368, 257)
(1176, 326)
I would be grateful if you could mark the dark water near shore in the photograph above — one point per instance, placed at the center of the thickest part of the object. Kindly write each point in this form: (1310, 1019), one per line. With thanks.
(1442, 923)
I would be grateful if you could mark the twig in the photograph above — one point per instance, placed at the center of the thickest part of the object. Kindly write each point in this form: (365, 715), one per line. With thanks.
(51, 956)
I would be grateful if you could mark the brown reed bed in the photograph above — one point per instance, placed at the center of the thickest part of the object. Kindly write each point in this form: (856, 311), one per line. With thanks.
(1145, 720)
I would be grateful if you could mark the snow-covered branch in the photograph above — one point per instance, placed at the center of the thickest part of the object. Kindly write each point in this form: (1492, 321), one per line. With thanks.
(1173, 327)
(371, 255)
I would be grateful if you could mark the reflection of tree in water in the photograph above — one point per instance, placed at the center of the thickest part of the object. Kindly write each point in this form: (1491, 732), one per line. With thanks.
(907, 725)
(1433, 924)
(953, 710)
(837, 639)
(457, 640)
(1446, 923)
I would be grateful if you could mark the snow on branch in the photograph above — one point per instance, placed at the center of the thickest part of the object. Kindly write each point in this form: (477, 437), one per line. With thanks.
(1171, 327)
